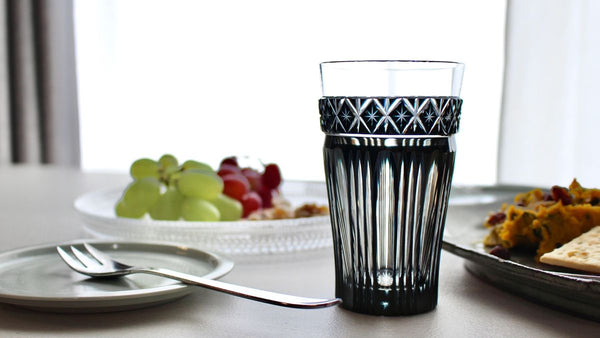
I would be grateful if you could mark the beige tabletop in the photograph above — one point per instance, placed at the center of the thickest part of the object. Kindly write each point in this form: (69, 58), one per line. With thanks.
(36, 207)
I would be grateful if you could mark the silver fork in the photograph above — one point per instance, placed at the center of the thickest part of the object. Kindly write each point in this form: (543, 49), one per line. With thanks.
(98, 264)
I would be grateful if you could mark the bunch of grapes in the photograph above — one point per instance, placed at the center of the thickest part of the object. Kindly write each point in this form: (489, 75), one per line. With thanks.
(193, 191)
(254, 189)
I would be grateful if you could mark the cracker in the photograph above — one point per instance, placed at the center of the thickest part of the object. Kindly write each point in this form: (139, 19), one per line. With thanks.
(581, 253)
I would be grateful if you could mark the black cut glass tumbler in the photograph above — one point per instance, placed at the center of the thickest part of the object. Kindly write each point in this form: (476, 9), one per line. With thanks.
(389, 157)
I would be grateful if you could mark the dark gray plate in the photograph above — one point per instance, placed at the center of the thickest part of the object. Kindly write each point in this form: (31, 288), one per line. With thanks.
(521, 274)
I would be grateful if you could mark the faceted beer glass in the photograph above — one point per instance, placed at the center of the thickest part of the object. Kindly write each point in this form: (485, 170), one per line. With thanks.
(389, 156)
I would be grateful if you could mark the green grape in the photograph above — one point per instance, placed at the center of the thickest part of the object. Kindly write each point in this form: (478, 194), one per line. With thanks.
(167, 166)
(144, 167)
(173, 178)
(168, 172)
(142, 193)
(167, 161)
(168, 206)
(200, 183)
(230, 209)
(191, 164)
(196, 209)
(124, 210)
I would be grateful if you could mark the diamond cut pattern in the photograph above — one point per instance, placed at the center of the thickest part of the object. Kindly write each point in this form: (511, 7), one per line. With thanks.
(390, 115)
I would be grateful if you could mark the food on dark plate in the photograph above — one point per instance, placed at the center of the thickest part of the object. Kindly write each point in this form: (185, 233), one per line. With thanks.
(543, 221)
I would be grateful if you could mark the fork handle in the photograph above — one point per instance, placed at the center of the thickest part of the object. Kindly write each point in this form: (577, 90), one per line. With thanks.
(242, 291)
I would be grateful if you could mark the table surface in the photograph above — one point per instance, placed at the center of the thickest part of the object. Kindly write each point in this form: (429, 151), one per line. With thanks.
(36, 207)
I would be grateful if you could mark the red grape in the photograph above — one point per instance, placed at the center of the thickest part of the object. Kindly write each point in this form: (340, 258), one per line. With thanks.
(271, 178)
(254, 178)
(253, 188)
(266, 195)
(251, 202)
(228, 169)
(232, 160)
(235, 186)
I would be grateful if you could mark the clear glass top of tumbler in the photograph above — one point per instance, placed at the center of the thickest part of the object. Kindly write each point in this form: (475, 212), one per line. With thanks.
(391, 78)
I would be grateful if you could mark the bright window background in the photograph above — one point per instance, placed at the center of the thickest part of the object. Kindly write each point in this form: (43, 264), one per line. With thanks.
(550, 111)
(208, 79)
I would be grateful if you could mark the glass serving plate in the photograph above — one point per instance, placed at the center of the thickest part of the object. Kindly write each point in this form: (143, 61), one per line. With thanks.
(243, 237)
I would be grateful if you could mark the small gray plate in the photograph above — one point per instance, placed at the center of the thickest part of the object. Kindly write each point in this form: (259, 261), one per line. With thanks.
(521, 274)
(37, 278)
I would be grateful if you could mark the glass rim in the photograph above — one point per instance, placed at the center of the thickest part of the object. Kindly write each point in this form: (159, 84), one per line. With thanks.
(448, 64)
(391, 78)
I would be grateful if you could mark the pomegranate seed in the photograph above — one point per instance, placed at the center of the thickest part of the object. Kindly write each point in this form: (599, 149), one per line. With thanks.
(547, 197)
(496, 218)
(500, 251)
(561, 194)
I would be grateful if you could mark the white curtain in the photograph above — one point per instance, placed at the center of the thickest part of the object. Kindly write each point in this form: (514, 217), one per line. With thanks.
(550, 123)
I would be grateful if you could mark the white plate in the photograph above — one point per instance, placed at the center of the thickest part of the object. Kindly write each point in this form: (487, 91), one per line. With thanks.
(231, 238)
(36, 277)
